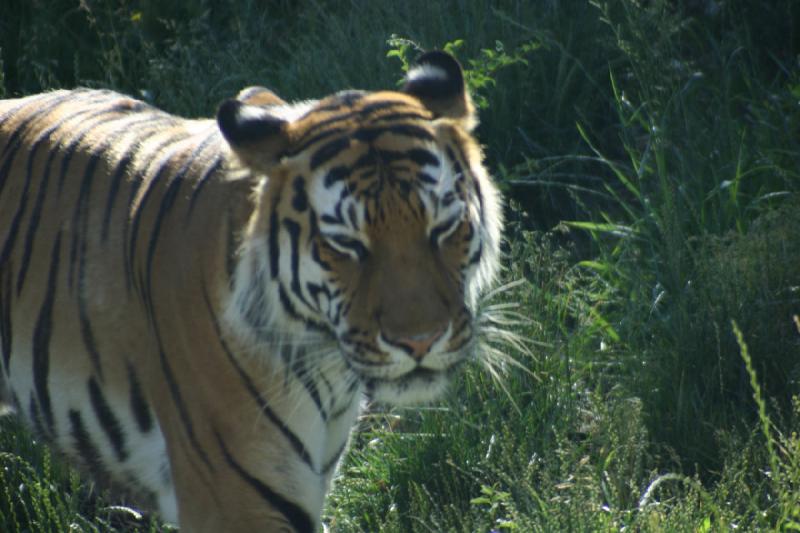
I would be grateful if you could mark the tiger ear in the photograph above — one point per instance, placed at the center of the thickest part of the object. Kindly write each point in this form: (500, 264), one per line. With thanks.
(260, 96)
(254, 134)
(438, 82)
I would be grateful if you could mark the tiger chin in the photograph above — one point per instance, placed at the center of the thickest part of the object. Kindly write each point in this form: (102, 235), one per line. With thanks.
(196, 309)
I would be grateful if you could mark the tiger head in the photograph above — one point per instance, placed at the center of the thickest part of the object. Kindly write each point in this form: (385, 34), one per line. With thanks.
(376, 225)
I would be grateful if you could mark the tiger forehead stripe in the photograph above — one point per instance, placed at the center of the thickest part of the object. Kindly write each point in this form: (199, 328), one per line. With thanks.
(384, 110)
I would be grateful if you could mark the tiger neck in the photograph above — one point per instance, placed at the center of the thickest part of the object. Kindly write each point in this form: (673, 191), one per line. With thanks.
(309, 400)
(285, 402)
(301, 380)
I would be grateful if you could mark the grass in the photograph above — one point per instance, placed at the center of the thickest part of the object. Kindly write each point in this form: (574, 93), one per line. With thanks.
(649, 153)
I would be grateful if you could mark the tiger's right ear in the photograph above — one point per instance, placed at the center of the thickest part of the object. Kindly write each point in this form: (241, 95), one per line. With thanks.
(438, 82)
(258, 95)
(256, 136)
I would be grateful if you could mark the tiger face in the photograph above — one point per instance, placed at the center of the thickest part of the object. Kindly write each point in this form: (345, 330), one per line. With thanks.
(382, 225)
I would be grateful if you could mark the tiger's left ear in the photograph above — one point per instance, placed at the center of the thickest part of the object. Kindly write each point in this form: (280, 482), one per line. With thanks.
(256, 136)
(438, 82)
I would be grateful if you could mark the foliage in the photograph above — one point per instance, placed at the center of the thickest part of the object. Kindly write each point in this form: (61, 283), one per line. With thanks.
(698, 228)
(479, 74)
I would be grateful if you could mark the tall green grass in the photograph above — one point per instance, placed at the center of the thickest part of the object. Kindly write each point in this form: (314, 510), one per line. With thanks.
(40, 493)
(698, 229)
(649, 152)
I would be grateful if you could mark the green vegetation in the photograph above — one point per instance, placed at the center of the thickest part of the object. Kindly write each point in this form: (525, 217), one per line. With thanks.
(650, 154)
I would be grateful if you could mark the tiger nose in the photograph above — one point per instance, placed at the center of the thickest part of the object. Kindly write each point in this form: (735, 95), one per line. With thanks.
(420, 344)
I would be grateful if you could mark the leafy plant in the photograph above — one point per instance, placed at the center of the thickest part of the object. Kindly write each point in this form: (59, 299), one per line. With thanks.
(479, 73)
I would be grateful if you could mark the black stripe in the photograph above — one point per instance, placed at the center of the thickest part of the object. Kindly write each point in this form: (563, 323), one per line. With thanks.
(426, 178)
(300, 198)
(78, 255)
(175, 393)
(331, 392)
(352, 215)
(369, 134)
(212, 169)
(113, 190)
(41, 339)
(153, 122)
(293, 229)
(80, 222)
(75, 141)
(317, 259)
(333, 461)
(288, 307)
(80, 231)
(33, 223)
(347, 405)
(470, 232)
(138, 211)
(422, 157)
(107, 116)
(22, 203)
(183, 412)
(305, 377)
(441, 228)
(231, 247)
(476, 257)
(168, 201)
(308, 141)
(136, 181)
(84, 445)
(109, 422)
(402, 116)
(313, 133)
(314, 290)
(15, 139)
(86, 327)
(332, 219)
(337, 315)
(296, 516)
(335, 175)
(351, 244)
(23, 103)
(255, 314)
(475, 182)
(380, 105)
(139, 406)
(274, 245)
(329, 151)
(294, 440)
(80, 214)
(36, 214)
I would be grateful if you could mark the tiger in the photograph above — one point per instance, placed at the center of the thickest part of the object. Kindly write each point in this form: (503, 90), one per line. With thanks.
(197, 311)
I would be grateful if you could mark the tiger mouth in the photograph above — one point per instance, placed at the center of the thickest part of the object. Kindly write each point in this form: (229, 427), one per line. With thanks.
(421, 373)
(419, 376)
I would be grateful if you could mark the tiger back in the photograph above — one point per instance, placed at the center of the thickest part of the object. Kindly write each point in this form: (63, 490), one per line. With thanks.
(194, 310)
